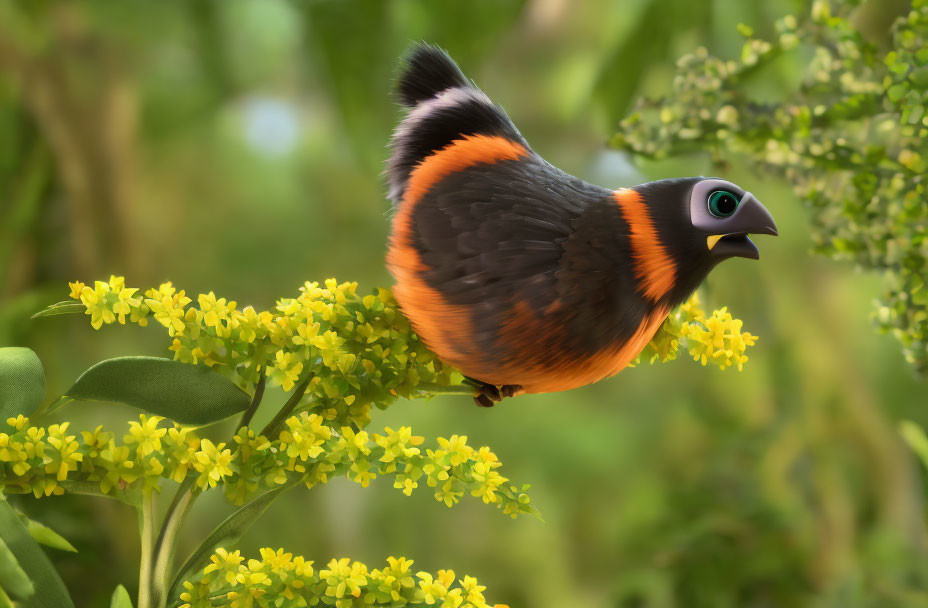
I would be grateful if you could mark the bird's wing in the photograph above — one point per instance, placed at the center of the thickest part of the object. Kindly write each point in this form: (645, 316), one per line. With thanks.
(491, 231)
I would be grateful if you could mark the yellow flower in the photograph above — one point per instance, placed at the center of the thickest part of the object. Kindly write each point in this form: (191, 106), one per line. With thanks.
(433, 589)
(146, 434)
(407, 484)
(180, 447)
(248, 324)
(286, 370)
(361, 473)
(125, 303)
(77, 288)
(302, 566)
(305, 333)
(226, 563)
(168, 306)
(718, 340)
(456, 448)
(217, 313)
(95, 304)
(212, 461)
(329, 344)
(67, 447)
(120, 470)
(396, 444)
(9, 449)
(19, 422)
(355, 443)
(344, 576)
(305, 436)
(277, 561)
(474, 591)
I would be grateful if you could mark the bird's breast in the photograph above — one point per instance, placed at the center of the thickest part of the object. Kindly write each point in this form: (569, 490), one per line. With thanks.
(541, 353)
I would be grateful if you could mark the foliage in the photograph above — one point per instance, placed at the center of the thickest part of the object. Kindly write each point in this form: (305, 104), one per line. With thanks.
(356, 351)
(716, 339)
(359, 350)
(851, 136)
(48, 460)
(279, 579)
(338, 354)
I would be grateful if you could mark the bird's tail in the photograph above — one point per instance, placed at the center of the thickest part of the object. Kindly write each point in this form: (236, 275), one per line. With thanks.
(444, 107)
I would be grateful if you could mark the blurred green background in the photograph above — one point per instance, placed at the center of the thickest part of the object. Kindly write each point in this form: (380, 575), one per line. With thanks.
(238, 146)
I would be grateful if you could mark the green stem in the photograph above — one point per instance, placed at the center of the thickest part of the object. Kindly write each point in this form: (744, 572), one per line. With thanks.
(92, 488)
(186, 494)
(164, 546)
(255, 402)
(147, 534)
(274, 425)
(456, 389)
(229, 532)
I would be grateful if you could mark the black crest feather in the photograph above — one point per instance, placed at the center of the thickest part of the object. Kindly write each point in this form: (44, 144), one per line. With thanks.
(444, 107)
(427, 71)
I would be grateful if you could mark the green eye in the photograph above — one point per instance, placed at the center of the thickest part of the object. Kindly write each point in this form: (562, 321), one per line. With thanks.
(722, 203)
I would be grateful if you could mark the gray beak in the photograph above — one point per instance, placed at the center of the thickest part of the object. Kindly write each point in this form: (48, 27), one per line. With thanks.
(750, 218)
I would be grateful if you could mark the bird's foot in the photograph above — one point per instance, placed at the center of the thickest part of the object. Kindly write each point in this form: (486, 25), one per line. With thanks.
(489, 395)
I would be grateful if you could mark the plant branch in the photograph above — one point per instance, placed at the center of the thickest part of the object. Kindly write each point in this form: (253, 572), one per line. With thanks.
(147, 534)
(455, 389)
(229, 532)
(90, 488)
(274, 425)
(164, 547)
(255, 402)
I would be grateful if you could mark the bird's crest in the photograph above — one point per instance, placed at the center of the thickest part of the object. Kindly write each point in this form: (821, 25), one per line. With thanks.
(444, 107)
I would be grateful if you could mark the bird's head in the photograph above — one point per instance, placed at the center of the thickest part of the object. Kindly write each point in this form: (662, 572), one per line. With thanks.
(723, 215)
(700, 222)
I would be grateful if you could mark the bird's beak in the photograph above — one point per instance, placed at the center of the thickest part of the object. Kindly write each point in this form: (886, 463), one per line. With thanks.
(750, 218)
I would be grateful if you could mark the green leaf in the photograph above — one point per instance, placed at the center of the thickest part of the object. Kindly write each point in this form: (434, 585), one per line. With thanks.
(896, 92)
(12, 577)
(22, 382)
(5, 601)
(227, 534)
(45, 535)
(50, 592)
(188, 394)
(120, 598)
(68, 307)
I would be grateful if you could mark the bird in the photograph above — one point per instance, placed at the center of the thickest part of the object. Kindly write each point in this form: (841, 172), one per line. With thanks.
(523, 277)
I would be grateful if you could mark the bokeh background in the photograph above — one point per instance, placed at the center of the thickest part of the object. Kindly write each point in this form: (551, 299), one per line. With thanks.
(238, 146)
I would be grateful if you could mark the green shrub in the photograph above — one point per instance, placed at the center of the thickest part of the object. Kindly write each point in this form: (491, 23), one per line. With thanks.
(338, 354)
(851, 136)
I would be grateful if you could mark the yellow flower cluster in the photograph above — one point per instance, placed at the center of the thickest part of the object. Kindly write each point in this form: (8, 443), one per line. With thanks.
(280, 580)
(358, 351)
(355, 351)
(713, 340)
(45, 460)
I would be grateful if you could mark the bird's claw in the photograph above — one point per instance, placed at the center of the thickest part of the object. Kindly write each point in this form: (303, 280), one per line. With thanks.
(489, 394)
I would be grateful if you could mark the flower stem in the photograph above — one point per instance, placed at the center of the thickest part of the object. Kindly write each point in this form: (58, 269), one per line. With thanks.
(274, 425)
(455, 389)
(147, 536)
(255, 402)
(186, 494)
(164, 546)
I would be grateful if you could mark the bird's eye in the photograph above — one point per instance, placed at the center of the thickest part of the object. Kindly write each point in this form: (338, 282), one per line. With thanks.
(722, 203)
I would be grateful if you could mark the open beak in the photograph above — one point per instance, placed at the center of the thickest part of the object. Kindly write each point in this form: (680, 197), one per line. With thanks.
(750, 218)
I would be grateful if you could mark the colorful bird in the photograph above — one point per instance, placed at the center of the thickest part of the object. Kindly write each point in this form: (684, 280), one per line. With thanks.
(523, 277)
